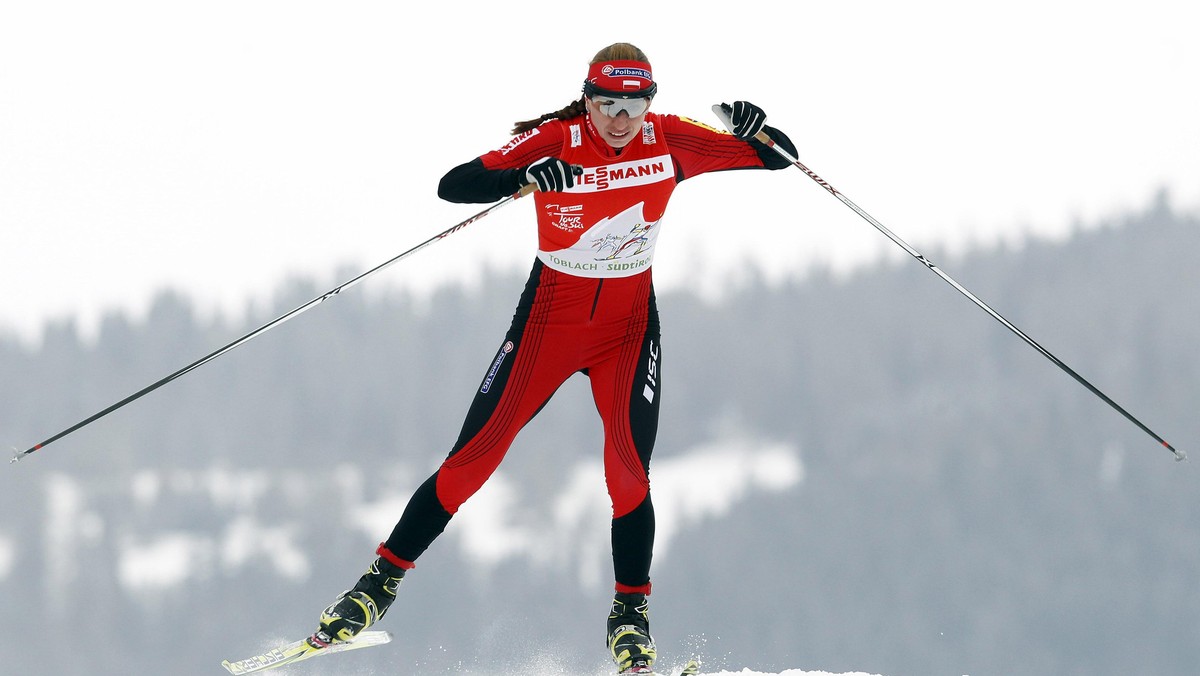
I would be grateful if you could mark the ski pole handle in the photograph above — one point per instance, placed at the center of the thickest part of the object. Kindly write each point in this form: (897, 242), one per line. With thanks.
(722, 112)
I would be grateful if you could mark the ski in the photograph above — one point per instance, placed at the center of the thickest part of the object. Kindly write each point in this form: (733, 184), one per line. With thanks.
(302, 650)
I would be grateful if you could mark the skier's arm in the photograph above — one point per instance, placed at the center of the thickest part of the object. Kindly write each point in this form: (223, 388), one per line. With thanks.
(471, 182)
(748, 120)
(502, 172)
(699, 148)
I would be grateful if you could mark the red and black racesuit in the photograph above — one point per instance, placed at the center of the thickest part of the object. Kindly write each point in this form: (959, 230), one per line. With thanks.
(588, 307)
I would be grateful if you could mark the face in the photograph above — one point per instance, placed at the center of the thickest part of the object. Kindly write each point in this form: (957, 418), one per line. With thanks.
(617, 131)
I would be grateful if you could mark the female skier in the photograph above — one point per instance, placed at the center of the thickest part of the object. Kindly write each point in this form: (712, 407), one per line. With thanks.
(605, 167)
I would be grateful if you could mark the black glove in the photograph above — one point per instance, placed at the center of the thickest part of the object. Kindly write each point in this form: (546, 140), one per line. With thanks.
(550, 173)
(747, 118)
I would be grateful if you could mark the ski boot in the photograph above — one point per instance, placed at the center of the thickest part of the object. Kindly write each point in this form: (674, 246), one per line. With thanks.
(629, 638)
(358, 608)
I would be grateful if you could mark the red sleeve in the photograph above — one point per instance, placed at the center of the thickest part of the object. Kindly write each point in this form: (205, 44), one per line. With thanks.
(525, 149)
(698, 148)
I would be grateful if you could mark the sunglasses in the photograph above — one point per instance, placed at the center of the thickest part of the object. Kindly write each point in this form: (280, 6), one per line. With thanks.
(613, 103)
(612, 107)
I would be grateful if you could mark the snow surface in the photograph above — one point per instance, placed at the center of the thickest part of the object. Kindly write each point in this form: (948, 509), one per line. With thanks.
(311, 668)
(554, 664)
(789, 672)
(541, 668)
(743, 672)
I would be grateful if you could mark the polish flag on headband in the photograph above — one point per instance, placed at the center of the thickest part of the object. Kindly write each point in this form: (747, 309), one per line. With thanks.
(621, 76)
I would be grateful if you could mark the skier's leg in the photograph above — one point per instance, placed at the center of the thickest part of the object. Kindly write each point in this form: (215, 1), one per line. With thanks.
(492, 423)
(627, 393)
(520, 379)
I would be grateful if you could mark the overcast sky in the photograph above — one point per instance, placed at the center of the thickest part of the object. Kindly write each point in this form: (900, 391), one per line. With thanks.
(219, 147)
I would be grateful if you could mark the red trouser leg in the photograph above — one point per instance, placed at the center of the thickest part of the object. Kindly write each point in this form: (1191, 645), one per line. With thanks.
(627, 394)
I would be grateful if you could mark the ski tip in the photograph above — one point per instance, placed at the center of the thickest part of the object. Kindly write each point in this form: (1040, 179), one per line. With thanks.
(692, 668)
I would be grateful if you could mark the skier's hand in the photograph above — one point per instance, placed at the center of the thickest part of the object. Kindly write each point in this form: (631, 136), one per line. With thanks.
(747, 118)
(551, 175)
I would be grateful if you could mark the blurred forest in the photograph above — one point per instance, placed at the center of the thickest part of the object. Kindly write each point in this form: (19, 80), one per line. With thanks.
(966, 507)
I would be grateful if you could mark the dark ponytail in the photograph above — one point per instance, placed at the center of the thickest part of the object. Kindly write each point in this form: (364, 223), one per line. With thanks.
(573, 109)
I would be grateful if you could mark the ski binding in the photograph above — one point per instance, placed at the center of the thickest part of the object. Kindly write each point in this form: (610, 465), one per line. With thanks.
(692, 668)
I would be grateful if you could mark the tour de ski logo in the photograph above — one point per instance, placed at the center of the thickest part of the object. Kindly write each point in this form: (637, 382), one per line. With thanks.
(566, 217)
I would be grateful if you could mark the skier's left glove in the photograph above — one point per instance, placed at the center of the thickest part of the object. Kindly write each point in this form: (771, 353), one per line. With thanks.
(550, 174)
(747, 118)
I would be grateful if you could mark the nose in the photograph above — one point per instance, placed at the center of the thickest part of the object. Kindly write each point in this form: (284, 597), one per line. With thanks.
(621, 119)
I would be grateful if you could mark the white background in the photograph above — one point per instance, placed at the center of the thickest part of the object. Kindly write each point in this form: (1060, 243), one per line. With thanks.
(218, 147)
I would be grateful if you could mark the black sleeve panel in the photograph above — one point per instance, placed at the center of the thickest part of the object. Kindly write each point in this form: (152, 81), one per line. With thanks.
(471, 183)
(770, 158)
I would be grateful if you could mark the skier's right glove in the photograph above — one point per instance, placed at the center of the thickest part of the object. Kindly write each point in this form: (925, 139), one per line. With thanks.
(550, 173)
(747, 118)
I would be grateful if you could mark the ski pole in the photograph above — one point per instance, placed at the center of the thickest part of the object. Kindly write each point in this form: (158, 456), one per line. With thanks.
(275, 322)
(723, 112)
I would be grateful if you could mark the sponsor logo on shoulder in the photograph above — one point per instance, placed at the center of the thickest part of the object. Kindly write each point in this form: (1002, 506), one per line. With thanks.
(702, 125)
(518, 140)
